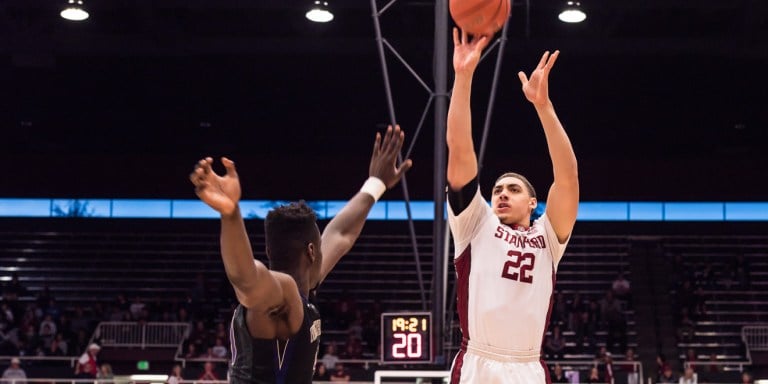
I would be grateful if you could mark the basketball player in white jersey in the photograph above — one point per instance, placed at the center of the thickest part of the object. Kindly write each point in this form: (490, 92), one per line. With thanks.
(505, 263)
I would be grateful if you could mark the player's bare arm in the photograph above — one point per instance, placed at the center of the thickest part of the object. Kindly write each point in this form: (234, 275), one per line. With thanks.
(563, 198)
(344, 229)
(257, 288)
(462, 160)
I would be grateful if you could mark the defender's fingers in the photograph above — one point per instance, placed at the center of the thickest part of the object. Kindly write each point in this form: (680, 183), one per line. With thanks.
(523, 78)
(404, 167)
(394, 139)
(376, 143)
(229, 165)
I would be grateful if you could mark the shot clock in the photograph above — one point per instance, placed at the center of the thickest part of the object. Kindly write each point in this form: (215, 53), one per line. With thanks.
(406, 337)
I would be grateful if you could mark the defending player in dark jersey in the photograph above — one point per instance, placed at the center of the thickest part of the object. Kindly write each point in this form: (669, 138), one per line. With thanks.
(275, 329)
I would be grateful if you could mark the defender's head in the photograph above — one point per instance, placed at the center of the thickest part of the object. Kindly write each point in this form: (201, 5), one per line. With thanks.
(293, 239)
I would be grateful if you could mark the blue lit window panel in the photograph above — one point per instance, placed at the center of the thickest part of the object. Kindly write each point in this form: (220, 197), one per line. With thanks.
(258, 209)
(693, 211)
(25, 207)
(646, 211)
(148, 209)
(420, 210)
(332, 207)
(320, 207)
(378, 211)
(192, 209)
(81, 207)
(602, 211)
(746, 211)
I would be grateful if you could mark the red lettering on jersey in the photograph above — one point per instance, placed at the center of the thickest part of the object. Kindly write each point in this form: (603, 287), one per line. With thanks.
(519, 240)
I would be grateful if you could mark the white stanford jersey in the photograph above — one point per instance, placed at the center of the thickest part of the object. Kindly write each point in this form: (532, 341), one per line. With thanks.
(505, 278)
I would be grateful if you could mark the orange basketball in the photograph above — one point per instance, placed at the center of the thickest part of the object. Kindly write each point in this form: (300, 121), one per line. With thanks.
(480, 17)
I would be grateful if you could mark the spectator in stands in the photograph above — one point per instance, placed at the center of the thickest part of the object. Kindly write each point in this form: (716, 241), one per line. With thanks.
(330, 358)
(555, 345)
(199, 336)
(631, 369)
(321, 373)
(353, 348)
(345, 311)
(87, 367)
(54, 310)
(14, 372)
(340, 374)
(557, 374)
(105, 373)
(175, 376)
(191, 351)
(53, 349)
(689, 376)
(80, 320)
(222, 332)
(667, 376)
(219, 350)
(594, 376)
(690, 358)
(746, 378)
(622, 290)
(209, 374)
(661, 365)
(608, 368)
(713, 368)
(61, 343)
(208, 354)
(47, 331)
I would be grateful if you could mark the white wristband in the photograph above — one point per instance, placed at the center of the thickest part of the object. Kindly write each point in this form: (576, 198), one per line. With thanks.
(374, 187)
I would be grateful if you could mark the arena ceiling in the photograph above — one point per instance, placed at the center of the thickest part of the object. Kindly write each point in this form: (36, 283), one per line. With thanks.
(643, 81)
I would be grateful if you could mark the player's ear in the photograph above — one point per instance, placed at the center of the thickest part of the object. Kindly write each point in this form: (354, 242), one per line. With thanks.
(533, 203)
(311, 252)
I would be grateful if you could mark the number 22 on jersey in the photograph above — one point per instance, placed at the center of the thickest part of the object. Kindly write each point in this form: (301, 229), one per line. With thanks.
(519, 267)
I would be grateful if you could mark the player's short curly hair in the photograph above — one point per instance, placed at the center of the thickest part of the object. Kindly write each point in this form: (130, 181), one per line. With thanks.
(288, 229)
(528, 185)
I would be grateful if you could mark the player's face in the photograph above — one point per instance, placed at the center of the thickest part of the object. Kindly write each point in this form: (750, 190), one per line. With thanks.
(512, 202)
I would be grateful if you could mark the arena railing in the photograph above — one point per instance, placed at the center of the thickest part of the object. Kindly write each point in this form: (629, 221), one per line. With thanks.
(141, 335)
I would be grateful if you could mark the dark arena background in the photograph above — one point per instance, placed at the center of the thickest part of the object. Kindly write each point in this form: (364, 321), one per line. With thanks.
(665, 102)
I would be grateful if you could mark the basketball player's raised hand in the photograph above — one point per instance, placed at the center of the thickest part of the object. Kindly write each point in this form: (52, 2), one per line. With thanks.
(221, 193)
(384, 157)
(467, 51)
(536, 88)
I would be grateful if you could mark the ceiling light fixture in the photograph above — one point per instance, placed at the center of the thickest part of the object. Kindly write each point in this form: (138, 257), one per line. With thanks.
(320, 13)
(74, 11)
(572, 13)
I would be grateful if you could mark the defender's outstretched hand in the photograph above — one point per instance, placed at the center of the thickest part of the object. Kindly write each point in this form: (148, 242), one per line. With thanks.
(384, 157)
(221, 193)
(467, 51)
(536, 88)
